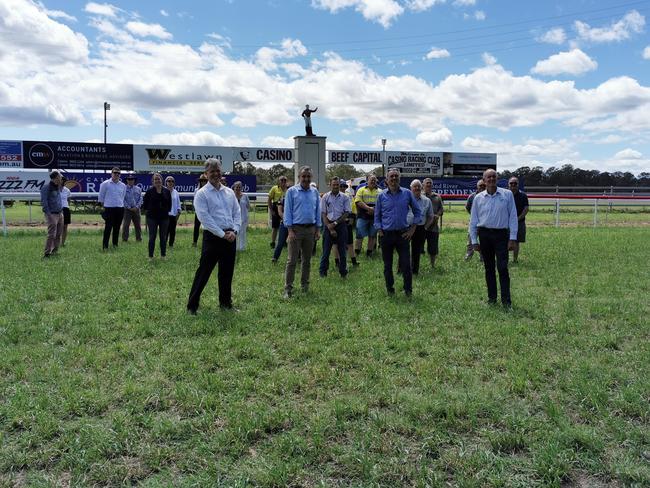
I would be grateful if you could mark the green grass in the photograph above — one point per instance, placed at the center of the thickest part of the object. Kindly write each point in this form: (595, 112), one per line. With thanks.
(104, 380)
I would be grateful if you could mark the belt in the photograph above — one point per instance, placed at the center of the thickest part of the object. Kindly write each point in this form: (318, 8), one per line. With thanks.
(303, 225)
(229, 230)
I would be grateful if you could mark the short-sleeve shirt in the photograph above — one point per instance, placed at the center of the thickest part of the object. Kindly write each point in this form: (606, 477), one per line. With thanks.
(438, 209)
(276, 194)
(521, 202)
(367, 196)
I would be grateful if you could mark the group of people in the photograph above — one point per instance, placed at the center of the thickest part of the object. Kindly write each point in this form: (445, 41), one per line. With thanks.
(402, 219)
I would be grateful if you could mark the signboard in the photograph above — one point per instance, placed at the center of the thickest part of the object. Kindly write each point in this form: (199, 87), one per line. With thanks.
(23, 181)
(89, 182)
(458, 186)
(354, 157)
(11, 154)
(147, 157)
(469, 164)
(263, 154)
(415, 163)
(76, 155)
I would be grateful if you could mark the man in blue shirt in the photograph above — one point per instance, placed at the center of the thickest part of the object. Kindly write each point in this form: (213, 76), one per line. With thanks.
(303, 220)
(493, 223)
(391, 212)
(335, 208)
(132, 204)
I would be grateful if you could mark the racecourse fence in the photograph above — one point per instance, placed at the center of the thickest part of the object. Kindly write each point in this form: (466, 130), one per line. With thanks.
(601, 206)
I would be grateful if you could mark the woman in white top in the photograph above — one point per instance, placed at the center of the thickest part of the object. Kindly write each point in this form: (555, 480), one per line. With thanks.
(174, 212)
(243, 205)
(65, 194)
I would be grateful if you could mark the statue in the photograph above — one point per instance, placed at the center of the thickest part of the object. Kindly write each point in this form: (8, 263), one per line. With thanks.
(306, 114)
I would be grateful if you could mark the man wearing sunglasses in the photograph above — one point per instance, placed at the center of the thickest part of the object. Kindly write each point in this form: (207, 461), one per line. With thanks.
(521, 201)
(111, 196)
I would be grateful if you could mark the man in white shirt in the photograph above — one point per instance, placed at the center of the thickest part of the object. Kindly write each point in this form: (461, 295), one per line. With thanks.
(493, 223)
(218, 211)
(111, 196)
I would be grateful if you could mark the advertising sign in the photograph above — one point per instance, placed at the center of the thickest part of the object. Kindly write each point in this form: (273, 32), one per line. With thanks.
(458, 186)
(89, 182)
(76, 155)
(469, 164)
(415, 163)
(354, 157)
(11, 154)
(23, 181)
(149, 157)
(263, 154)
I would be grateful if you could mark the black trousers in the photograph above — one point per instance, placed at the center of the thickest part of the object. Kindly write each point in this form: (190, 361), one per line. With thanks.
(494, 247)
(393, 241)
(171, 231)
(340, 241)
(214, 250)
(157, 226)
(417, 247)
(197, 228)
(112, 222)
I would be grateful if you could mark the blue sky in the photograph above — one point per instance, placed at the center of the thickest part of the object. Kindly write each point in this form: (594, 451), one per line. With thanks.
(539, 83)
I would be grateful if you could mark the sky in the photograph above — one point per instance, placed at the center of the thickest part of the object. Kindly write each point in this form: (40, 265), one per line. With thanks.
(539, 83)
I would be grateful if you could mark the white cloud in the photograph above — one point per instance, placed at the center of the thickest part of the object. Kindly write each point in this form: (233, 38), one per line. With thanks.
(422, 5)
(631, 23)
(574, 62)
(553, 36)
(148, 30)
(437, 53)
(105, 9)
(56, 14)
(646, 53)
(202, 138)
(381, 11)
(488, 59)
(164, 13)
(464, 3)
(120, 115)
(439, 138)
(479, 15)
(278, 141)
(290, 48)
(627, 154)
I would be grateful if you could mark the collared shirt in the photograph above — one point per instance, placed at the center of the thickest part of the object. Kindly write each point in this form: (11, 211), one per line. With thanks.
(133, 197)
(65, 194)
(51, 199)
(244, 202)
(425, 207)
(176, 203)
(392, 209)
(334, 206)
(353, 204)
(302, 206)
(367, 196)
(217, 209)
(497, 211)
(111, 194)
(437, 208)
(276, 194)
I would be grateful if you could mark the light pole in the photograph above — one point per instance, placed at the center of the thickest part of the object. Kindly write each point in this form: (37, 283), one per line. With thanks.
(107, 106)
(383, 157)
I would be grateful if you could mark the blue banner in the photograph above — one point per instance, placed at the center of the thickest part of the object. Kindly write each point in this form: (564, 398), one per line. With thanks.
(458, 186)
(89, 182)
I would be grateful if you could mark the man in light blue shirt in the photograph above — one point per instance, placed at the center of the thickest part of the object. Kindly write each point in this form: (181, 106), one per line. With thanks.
(111, 196)
(335, 208)
(303, 220)
(132, 204)
(218, 211)
(391, 221)
(493, 223)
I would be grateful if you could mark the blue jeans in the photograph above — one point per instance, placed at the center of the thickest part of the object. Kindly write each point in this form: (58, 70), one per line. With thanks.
(340, 240)
(283, 233)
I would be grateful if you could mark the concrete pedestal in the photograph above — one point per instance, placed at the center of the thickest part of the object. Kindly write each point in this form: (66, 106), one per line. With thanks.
(310, 151)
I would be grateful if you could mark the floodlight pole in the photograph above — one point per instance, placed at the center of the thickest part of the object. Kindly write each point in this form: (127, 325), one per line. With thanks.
(383, 157)
(107, 106)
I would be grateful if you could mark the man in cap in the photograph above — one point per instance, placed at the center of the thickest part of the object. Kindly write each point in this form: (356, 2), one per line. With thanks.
(132, 204)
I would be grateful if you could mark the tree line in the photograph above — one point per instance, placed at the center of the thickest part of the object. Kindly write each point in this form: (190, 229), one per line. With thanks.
(565, 175)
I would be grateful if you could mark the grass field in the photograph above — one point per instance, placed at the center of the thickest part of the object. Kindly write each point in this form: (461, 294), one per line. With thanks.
(104, 380)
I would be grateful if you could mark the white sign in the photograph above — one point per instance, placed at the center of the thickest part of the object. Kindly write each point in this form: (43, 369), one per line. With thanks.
(487, 159)
(263, 154)
(11, 154)
(415, 163)
(23, 181)
(148, 157)
(354, 157)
